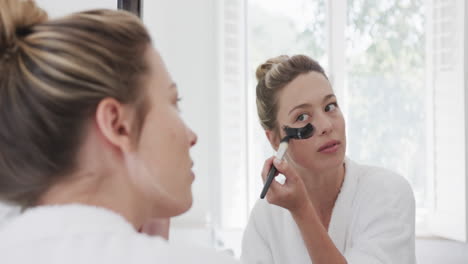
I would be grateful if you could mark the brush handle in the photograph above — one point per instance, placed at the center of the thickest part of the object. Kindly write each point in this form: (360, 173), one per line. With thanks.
(270, 177)
(271, 174)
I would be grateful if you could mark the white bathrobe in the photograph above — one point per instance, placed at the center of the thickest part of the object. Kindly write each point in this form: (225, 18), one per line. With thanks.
(372, 223)
(84, 234)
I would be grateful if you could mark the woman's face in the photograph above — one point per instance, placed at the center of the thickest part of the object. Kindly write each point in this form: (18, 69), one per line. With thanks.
(161, 166)
(309, 98)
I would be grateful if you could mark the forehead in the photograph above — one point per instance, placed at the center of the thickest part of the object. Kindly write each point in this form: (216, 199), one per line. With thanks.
(157, 67)
(158, 77)
(309, 88)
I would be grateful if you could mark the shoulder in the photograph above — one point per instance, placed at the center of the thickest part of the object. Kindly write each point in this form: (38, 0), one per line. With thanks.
(141, 248)
(90, 235)
(111, 248)
(156, 248)
(380, 180)
(383, 216)
(380, 184)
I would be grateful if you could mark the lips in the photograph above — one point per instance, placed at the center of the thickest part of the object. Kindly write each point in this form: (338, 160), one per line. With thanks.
(192, 174)
(329, 146)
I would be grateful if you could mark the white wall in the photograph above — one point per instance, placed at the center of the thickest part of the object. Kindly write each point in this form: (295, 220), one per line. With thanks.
(184, 32)
(57, 8)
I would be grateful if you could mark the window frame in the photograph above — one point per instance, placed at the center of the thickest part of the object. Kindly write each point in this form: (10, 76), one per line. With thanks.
(133, 6)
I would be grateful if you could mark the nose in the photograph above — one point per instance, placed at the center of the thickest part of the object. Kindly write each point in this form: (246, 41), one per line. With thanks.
(324, 125)
(192, 137)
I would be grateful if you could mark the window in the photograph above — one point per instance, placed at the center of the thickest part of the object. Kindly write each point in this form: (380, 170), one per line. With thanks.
(386, 91)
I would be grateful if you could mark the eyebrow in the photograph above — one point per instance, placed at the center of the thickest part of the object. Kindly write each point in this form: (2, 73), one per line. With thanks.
(173, 85)
(326, 98)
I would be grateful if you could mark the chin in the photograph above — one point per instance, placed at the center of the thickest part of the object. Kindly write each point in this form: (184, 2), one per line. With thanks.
(324, 164)
(336, 160)
(186, 205)
(181, 206)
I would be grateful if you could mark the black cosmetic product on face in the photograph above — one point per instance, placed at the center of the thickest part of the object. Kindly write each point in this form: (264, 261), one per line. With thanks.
(291, 133)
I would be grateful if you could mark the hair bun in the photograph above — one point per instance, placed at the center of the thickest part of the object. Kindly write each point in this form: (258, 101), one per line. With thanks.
(264, 68)
(16, 19)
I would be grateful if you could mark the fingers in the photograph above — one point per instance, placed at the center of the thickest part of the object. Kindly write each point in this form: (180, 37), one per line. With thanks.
(290, 195)
(275, 188)
(274, 192)
(283, 167)
(282, 191)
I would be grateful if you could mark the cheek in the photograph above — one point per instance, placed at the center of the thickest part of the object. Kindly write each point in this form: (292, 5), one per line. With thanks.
(301, 150)
(340, 119)
(174, 126)
(142, 176)
(154, 145)
(342, 127)
(160, 134)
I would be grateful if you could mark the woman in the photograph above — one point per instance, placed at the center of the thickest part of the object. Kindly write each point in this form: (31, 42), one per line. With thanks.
(331, 209)
(91, 142)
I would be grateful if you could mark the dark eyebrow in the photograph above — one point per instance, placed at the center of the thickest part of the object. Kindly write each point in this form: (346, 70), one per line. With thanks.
(326, 98)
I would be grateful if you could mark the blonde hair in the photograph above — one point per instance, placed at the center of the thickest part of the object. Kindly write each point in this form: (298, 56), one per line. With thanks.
(272, 76)
(53, 74)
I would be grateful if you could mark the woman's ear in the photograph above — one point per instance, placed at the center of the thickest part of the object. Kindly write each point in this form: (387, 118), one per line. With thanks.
(114, 121)
(273, 138)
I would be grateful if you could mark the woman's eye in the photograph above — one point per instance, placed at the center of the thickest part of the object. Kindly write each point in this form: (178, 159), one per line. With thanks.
(331, 107)
(302, 117)
(177, 103)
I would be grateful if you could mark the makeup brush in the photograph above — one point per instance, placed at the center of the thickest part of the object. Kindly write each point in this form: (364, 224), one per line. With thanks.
(291, 133)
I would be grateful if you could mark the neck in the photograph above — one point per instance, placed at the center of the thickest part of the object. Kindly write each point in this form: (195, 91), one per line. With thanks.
(96, 191)
(99, 180)
(324, 186)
